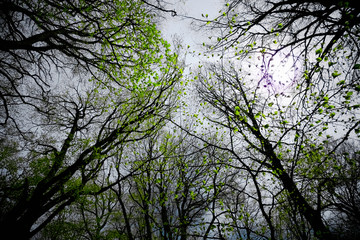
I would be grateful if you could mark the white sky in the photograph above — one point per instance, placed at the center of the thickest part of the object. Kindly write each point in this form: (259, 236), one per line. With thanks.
(180, 26)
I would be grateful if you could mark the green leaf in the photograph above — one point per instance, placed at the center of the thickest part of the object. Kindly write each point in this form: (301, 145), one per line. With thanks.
(356, 66)
(318, 51)
(348, 95)
(341, 82)
(335, 74)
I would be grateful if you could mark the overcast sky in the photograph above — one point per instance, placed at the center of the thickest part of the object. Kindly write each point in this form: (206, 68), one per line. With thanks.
(180, 25)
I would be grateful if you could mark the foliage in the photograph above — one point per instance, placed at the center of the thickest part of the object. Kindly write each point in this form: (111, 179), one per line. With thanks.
(280, 126)
(90, 78)
(102, 139)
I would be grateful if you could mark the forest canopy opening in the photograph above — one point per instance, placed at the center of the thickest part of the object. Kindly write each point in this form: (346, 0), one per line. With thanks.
(107, 133)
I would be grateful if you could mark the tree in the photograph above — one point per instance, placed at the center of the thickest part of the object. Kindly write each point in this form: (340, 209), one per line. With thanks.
(90, 77)
(87, 90)
(306, 26)
(280, 126)
(40, 39)
(342, 191)
(320, 37)
(283, 142)
(176, 193)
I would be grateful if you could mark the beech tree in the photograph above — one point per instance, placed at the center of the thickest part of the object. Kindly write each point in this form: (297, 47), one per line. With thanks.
(283, 143)
(78, 80)
(177, 191)
(277, 127)
(89, 99)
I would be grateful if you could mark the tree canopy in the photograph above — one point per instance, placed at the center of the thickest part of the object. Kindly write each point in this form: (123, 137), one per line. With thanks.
(78, 81)
(107, 134)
